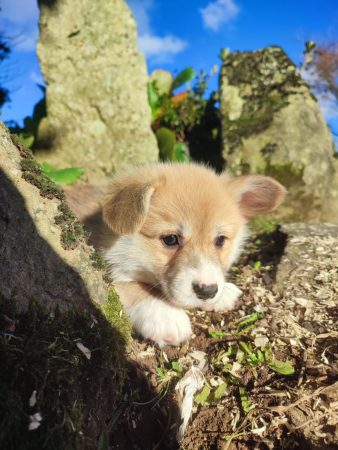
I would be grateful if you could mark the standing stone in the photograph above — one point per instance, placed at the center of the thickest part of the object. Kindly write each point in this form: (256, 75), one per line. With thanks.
(63, 334)
(272, 124)
(97, 110)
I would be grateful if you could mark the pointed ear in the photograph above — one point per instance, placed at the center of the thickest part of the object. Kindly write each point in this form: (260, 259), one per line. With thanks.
(126, 203)
(255, 194)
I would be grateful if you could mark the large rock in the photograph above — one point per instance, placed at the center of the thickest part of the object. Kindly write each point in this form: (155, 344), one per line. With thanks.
(272, 124)
(63, 334)
(97, 110)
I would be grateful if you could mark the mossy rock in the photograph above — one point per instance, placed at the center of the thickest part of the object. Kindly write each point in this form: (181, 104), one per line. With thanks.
(55, 294)
(272, 124)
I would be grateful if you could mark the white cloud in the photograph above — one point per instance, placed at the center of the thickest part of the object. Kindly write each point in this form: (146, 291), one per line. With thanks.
(161, 48)
(155, 47)
(218, 13)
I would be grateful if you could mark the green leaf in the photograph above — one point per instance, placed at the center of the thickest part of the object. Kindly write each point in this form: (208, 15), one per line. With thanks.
(161, 372)
(177, 366)
(27, 139)
(180, 151)
(202, 397)
(153, 100)
(166, 143)
(46, 167)
(244, 400)
(62, 176)
(282, 367)
(248, 320)
(218, 333)
(220, 391)
(183, 77)
(257, 265)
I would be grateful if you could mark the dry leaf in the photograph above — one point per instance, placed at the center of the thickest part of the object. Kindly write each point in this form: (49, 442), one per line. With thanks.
(186, 388)
(84, 350)
(32, 399)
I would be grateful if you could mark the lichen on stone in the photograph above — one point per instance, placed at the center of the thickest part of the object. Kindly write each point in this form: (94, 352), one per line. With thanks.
(32, 173)
(72, 231)
(263, 80)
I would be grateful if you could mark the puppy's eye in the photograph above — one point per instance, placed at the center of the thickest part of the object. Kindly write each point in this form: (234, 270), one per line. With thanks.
(171, 240)
(219, 241)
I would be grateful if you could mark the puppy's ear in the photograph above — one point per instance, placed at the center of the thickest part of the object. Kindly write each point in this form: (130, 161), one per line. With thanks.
(255, 194)
(126, 204)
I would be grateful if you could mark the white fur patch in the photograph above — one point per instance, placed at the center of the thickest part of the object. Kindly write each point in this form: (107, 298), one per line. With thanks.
(225, 301)
(128, 261)
(180, 289)
(158, 321)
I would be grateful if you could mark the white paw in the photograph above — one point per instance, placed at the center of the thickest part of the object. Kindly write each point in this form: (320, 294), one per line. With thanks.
(160, 322)
(227, 299)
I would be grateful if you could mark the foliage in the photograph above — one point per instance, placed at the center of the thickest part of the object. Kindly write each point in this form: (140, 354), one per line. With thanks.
(28, 133)
(62, 176)
(176, 114)
(322, 61)
(240, 355)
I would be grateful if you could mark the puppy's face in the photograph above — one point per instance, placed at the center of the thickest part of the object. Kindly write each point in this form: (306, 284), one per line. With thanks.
(181, 226)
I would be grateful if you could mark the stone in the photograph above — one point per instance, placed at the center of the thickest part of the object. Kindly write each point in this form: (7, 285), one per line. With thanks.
(55, 300)
(272, 124)
(98, 115)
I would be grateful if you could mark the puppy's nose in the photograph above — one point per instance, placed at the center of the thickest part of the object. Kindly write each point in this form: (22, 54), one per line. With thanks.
(205, 291)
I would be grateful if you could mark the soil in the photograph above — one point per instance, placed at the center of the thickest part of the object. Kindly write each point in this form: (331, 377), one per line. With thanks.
(292, 294)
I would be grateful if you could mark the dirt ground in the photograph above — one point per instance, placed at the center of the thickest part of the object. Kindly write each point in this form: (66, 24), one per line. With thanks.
(269, 367)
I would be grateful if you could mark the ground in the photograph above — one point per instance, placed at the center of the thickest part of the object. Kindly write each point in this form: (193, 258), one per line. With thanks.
(270, 366)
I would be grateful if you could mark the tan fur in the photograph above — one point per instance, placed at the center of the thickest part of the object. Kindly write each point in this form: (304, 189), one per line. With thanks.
(154, 281)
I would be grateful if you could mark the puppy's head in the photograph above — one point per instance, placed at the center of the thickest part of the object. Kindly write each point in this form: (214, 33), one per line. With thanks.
(181, 226)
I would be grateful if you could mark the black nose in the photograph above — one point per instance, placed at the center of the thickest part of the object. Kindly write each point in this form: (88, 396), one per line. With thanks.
(205, 291)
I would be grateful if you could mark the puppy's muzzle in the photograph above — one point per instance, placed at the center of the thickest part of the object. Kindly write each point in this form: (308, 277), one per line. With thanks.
(205, 291)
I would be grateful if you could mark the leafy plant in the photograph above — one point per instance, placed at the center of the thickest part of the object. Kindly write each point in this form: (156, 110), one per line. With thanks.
(62, 176)
(175, 114)
(202, 397)
(246, 405)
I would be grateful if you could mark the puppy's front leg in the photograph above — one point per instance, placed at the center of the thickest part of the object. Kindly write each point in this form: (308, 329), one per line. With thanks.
(153, 318)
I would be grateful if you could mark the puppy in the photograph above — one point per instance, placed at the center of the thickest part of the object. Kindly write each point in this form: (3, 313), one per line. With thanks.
(169, 234)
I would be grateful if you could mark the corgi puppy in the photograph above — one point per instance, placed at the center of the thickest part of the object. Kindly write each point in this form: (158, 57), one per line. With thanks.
(169, 233)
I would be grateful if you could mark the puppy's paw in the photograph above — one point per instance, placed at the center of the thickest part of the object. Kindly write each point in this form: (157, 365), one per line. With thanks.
(160, 322)
(227, 300)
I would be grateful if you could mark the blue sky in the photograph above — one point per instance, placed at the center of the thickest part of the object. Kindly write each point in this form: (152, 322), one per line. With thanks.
(178, 33)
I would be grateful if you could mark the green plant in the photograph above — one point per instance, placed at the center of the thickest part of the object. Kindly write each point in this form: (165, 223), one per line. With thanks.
(28, 133)
(174, 115)
(62, 176)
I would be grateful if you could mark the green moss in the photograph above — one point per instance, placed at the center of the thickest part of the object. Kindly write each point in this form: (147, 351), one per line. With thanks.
(32, 173)
(261, 225)
(286, 174)
(72, 231)
(75, 396)
(97, 261)
(114, 313)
